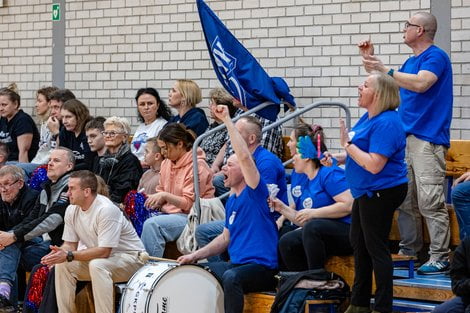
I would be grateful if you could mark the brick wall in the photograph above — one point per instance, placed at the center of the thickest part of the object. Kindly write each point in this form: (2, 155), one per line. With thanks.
(115, 47)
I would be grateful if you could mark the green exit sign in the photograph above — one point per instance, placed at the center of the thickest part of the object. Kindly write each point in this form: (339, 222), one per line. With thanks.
(56, 12)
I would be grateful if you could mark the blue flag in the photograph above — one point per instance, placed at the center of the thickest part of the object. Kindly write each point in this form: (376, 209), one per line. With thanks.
(238, 71)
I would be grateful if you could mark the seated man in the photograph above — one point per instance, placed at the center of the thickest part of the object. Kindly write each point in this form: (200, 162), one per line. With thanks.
(250, 231)
(112, 246)
(460, 278)
(268, 164)
(46, 217)
(16, 202)
(461, 202)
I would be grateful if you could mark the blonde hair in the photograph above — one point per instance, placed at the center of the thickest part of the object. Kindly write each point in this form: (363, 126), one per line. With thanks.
(387, 92)
(102, 188)
(121, 122)
(190, 91)
(12, 93)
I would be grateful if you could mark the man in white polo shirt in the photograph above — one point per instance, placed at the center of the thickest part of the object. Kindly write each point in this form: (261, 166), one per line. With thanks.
(112, 246)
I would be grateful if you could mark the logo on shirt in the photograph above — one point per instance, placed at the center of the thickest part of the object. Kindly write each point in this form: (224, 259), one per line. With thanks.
(351, 135)
(307, 203)
(297, 191)
(140, 140)
(63, 198)
(232, 218)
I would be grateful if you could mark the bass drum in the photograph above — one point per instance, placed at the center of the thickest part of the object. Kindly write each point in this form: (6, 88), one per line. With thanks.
(163, 287)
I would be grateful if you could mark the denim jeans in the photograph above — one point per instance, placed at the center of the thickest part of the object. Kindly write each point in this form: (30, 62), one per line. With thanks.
(240, 279)
(461, 202)
(160, 229)
(27, 254)
(454, 305)
(207, 232)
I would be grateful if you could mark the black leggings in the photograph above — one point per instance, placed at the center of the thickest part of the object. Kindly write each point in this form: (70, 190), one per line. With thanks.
(307, 248)
(371, 222)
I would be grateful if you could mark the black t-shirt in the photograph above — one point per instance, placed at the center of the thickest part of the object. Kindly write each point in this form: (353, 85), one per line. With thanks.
(19, 125)
(79, 145)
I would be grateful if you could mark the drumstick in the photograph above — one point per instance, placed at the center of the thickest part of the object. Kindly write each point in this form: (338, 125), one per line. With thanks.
(144, 257)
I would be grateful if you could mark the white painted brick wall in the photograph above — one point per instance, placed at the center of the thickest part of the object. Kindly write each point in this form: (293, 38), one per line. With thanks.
(115, 47)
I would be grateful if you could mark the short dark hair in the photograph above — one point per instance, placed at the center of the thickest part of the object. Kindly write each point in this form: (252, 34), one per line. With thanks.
(62, 95)
(87, 179)
(95, 123)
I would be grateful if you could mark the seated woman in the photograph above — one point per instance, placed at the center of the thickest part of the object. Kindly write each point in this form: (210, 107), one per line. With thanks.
(120, 169)
(17, 129)
(75, 115)
(184, 96)
(175, 193)
(214, 143)
(322, 209)
(153, 114)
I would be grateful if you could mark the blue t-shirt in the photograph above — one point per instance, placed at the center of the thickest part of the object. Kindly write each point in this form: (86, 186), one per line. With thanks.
(428, 115)
(271, 170)
(253, 230)
(319, 192)
(195, 119)
(382, 134)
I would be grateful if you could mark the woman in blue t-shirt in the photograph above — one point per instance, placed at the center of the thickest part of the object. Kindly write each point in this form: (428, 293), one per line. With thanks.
(322, 205)
(376, 172)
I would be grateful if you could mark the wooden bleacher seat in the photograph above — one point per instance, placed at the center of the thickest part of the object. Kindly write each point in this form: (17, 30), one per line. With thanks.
(458, 158)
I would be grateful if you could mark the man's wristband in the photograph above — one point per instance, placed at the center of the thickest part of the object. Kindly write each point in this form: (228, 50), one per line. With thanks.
(391, 71)
(347, 144)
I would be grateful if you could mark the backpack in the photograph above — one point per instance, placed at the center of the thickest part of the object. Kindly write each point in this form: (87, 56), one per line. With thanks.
(292, 293)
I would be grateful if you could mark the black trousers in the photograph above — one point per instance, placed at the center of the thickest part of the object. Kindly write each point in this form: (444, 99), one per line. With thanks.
(307, 248)
(371, 222)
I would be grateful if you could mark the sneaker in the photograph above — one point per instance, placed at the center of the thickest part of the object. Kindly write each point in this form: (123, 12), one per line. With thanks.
(434, 268)
(6, 306)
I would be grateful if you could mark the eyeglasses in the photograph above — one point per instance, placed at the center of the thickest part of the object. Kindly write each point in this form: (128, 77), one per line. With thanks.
(8, 186)
(408, 24)
(111, 134)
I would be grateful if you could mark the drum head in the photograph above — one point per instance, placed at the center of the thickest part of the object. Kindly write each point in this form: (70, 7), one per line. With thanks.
(187, 288)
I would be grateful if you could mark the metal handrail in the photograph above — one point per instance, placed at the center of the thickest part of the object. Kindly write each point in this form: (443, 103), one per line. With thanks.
(286, 118)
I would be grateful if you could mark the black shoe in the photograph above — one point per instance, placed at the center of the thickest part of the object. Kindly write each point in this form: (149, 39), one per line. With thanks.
(6, 306)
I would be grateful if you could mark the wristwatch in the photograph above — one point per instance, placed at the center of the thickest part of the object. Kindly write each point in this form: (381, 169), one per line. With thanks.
(69, 256)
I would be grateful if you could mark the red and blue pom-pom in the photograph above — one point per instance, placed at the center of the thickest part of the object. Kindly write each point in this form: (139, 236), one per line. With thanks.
(134, 206)
(36, 290)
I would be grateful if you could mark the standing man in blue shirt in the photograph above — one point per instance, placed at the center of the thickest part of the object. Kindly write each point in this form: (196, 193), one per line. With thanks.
(425, 81)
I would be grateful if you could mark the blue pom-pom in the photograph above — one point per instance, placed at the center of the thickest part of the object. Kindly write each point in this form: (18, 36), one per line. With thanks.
(38, 177)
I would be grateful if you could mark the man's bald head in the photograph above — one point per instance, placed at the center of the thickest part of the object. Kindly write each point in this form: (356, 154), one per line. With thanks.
(250, 129)
(429, 22)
